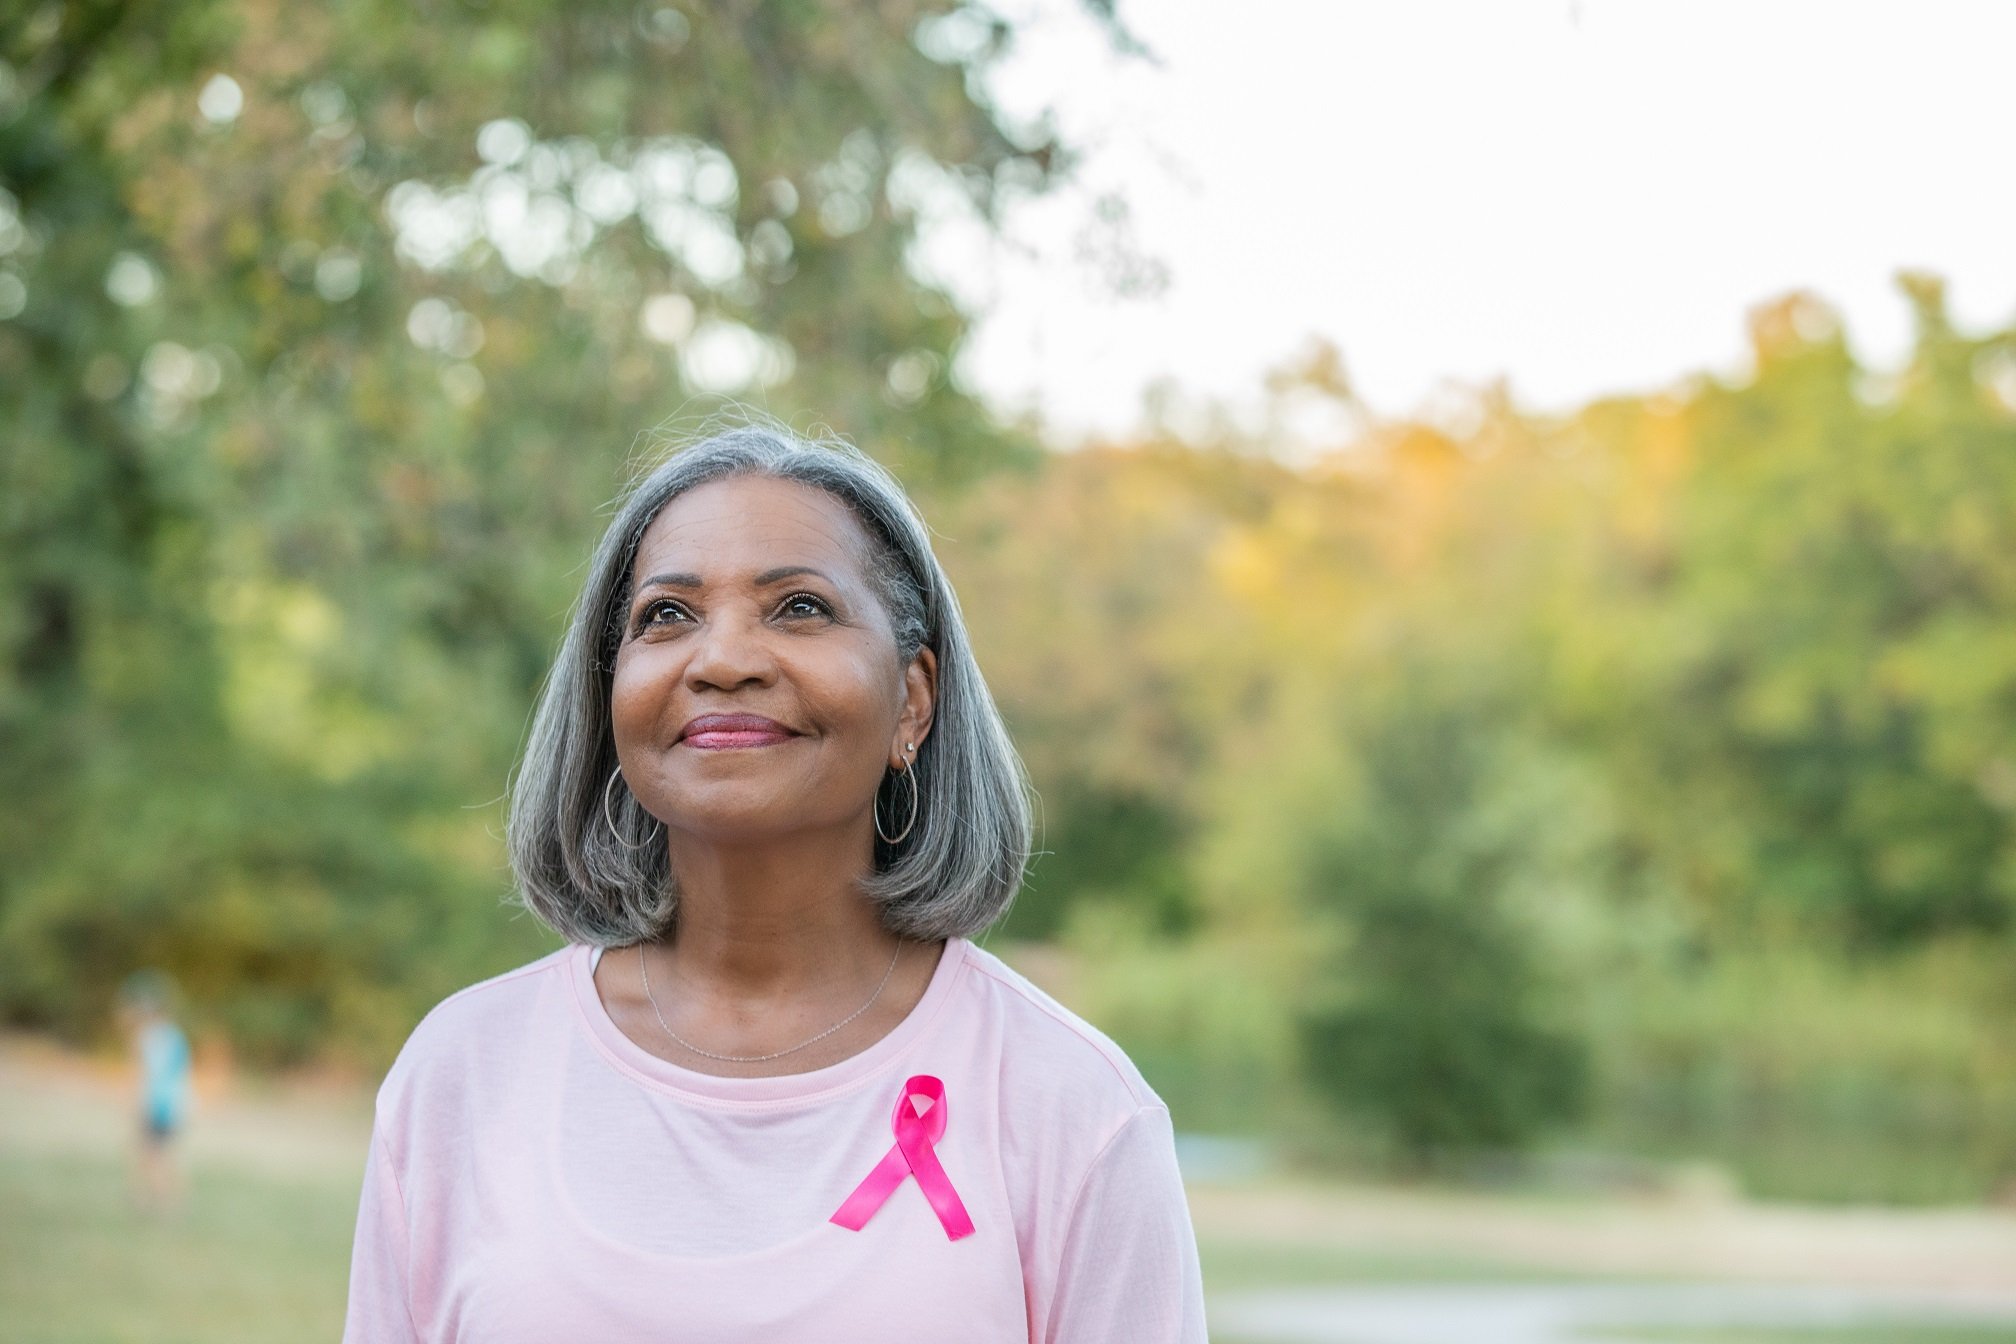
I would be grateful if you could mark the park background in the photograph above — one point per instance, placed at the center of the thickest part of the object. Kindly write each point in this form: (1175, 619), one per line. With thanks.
(1611, 793)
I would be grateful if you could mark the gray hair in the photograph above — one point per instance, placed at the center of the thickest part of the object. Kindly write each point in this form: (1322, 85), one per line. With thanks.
(959, 866)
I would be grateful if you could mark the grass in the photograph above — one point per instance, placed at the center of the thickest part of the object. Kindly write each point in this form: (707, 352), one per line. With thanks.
(261, 1249)
(252, 1257)
(1235, 1265)
(1833, 1334)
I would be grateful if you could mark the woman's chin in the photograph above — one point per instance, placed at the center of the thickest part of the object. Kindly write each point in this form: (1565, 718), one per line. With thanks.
(736, 826)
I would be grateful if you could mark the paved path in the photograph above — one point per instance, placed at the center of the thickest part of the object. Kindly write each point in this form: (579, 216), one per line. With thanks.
(1571, 1313)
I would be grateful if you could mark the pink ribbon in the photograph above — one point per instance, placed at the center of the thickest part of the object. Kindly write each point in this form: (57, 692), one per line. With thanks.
(912, 1155)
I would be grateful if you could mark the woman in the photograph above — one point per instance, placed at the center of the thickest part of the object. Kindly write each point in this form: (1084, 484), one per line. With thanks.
(769, 1090)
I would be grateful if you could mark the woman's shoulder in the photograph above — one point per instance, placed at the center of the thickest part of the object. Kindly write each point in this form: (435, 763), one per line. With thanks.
(1064, 1091)
(489, 994)
(478, 1025)
(1052, 1049)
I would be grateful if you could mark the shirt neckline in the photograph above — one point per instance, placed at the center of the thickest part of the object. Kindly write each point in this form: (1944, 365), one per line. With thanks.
(663, 1075)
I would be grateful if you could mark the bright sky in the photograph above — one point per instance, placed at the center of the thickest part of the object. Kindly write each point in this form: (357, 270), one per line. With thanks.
(1583, 196)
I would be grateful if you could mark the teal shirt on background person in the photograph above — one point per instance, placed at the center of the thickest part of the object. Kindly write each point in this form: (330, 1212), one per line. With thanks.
(164, 1074)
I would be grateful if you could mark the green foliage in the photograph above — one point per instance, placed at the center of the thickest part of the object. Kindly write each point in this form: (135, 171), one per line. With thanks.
(1101, 845)
(1475, 778)
(1440, 1041)
(1816, 1078)
(1845, 683)
(1555, 722)
(336, 328)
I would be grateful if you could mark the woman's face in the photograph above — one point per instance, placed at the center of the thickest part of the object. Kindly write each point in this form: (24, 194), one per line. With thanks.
(750, 596)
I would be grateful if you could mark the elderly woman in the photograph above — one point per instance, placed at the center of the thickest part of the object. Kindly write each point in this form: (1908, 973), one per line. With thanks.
(768, 1090)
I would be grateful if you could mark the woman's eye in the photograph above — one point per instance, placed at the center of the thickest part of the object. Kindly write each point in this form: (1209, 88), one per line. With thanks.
(804, 604)
(654, 610)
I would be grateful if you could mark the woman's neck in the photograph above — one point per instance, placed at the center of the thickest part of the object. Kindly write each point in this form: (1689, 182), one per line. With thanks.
(785, 918)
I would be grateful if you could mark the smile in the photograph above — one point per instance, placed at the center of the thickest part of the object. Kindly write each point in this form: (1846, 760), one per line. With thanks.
(723, 739)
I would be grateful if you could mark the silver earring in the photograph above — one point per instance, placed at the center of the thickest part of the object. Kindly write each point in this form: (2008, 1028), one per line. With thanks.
(909, 773)
(608, 817)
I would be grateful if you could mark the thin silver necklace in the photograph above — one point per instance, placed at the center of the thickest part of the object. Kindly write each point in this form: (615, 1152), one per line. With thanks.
(644, 967)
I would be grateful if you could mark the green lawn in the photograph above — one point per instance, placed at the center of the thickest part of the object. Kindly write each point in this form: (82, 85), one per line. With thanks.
(261, 1249)
(1232, 1265)
(1839, 1334)
(252, 1257)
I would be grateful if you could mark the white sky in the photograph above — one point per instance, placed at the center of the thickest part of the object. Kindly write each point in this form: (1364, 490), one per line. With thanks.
(1584, 196)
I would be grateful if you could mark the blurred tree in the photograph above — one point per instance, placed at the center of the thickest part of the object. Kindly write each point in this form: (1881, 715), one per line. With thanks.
(324, 333)
(1479, 759)
(1746, 648)
(1811, 671)
(1100, 846)
(1089, 589)
(1437, 1025)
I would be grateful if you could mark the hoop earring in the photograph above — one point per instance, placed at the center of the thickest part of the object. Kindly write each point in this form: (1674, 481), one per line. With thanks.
(909, 772)
(606, 816)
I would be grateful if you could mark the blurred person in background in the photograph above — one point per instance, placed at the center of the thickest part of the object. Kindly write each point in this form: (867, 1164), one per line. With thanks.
(161, 1052)
(769, 1089)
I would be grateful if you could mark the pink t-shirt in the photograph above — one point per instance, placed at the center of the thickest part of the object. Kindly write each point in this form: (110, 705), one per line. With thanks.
(535, 1175)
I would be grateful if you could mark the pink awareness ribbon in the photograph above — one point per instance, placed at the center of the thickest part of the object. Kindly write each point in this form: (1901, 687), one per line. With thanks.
(912, 1155)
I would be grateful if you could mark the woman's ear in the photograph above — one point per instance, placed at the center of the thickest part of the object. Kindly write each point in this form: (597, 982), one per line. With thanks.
(920, 707)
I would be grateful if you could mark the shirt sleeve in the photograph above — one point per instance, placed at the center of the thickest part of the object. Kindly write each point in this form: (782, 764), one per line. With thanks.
(1129, 1268)
(379, 1310)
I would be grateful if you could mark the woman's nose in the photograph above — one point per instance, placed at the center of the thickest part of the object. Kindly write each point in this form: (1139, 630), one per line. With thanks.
(730, 649)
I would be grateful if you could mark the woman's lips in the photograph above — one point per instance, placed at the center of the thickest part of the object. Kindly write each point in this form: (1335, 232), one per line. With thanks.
(716, 739)
(717, 732)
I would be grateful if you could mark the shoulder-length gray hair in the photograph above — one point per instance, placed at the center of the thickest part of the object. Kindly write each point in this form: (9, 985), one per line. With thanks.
(961, 863)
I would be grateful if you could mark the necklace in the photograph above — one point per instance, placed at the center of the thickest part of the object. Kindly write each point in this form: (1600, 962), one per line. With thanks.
(644, 967)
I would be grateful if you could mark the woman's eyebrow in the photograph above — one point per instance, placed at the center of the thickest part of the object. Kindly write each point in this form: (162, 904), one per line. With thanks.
(763, 580)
